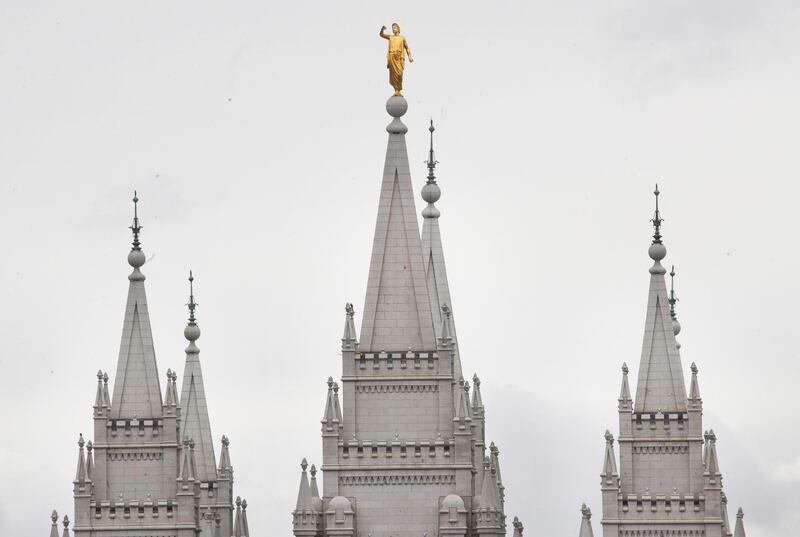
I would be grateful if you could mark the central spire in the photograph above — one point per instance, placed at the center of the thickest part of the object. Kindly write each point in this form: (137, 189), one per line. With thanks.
(661, 386)
(137, 390)
(397, 312)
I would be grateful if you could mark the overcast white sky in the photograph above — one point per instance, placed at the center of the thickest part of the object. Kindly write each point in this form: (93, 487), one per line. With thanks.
(254, 132)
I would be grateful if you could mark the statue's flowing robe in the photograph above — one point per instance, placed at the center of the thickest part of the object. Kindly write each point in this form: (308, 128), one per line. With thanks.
(395, 61)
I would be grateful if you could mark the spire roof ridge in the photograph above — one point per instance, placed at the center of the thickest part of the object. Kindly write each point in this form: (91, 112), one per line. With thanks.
(195, 422)
(396, 309)
(137, 388)
(660, 385)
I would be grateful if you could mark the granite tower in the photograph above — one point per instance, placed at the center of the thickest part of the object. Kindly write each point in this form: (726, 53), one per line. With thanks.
(669, 482)
(151, 469)
(404, 454)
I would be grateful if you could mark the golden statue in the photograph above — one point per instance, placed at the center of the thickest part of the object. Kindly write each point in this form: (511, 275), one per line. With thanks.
(395, 58)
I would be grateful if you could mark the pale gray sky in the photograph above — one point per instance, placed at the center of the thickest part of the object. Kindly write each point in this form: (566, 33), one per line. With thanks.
(254, 132)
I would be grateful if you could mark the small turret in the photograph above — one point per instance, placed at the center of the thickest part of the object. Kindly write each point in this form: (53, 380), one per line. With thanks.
(695, 401)
(332, 419)
(518, 527)
(446, 338)
(739, 531)
(81, 477)
(99, 399)
(107, 397)
(705, 449)
(712, 473)
(586, 522)
(54, 526)
(245, 527)
(66, 526)
(169, 400)
(238, 531)
(463, 416)
(225, 467)
(625, 401)
(315, 490)
(349, 341)
(477, 399)
(726, 523)
(610, 475)
(89, 460)
(495, 460)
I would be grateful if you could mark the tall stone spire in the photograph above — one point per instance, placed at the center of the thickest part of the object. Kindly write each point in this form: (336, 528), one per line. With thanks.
(660, 386)
(137, 392)
(433, 255)
(195, 423)
(397, 311)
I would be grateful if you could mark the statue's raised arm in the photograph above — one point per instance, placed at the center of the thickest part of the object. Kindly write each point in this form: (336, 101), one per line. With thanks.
(396, 56)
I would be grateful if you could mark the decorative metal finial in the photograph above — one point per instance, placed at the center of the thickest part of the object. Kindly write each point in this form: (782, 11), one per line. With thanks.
(349, 310)
(657, 219)
(672, 298)
(431, 162)
(192, 304)
(136, 228)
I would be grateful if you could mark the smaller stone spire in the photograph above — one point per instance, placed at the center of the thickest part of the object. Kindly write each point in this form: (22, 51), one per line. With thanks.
(305, 501)
(90, 460)
(518, 527)
(66, 526)
(705, 448)
(712, 472)
(349, 341)
(315, 490)
(610, 474)
(245, 527)
(225, 467)
(99, 398)
(431, 191)
(446, 338)
(695, 400)
(739, 531)
(586, 522)
(625, 401)
(187, 469)
(80, 473)
(237, 525)
(333, 414)
(169, 400)
(105, 391)
(495, 460)
(726, 524)
(54, 526)
(462, 411)
(490, 493)
(477, 400)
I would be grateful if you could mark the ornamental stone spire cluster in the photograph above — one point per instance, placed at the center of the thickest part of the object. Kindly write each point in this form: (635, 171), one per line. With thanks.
(150, 470)
(669, 481)
(405, 453)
